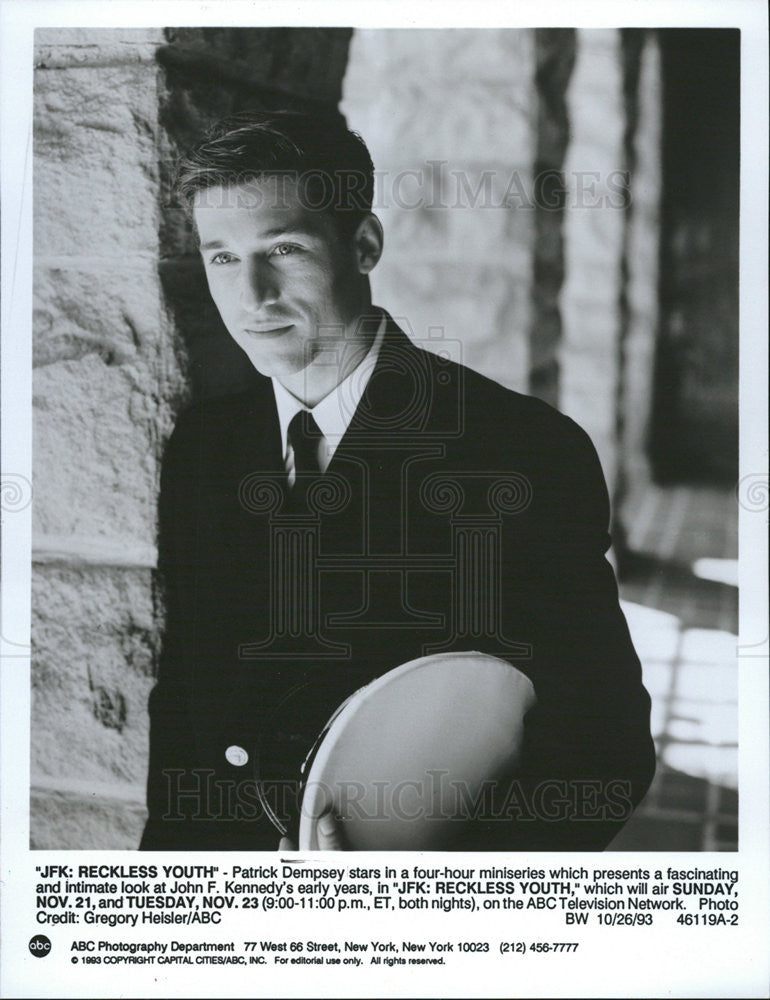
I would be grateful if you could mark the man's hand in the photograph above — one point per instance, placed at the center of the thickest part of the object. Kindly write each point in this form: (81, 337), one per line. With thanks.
(329, 836)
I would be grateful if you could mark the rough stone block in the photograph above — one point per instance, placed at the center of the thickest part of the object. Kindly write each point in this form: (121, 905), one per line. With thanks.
(95, 161)
(62, 820)
(113, 311)
(95, 449)
(56, 47)
(94, 647)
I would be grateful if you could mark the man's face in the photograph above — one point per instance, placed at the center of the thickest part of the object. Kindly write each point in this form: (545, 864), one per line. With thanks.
(285, 282)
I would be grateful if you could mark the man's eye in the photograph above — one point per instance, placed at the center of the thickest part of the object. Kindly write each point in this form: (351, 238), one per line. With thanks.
(222, 258)
(284, 249)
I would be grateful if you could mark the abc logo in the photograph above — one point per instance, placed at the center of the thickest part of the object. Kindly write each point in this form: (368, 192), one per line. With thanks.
(39, 945)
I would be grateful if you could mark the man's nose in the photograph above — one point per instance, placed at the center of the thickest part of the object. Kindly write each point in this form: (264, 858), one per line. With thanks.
(259, 287)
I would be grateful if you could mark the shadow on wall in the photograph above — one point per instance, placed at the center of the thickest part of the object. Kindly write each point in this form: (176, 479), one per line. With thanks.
(695, 409)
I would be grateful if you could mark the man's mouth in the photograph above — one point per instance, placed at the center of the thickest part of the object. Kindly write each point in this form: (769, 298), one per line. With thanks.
(264, 330)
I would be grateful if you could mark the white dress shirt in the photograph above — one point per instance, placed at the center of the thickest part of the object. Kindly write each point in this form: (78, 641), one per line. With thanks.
(335, 411)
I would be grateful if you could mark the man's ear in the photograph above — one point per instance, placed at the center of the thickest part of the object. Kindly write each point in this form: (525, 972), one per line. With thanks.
(368, 242)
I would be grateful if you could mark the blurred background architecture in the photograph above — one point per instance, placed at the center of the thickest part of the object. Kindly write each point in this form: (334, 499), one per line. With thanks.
(561, 213)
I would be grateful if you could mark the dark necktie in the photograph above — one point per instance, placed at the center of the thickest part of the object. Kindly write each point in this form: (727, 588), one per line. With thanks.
(304, 438)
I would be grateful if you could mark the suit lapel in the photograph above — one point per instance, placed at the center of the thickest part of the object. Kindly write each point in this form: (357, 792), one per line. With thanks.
(396, 401)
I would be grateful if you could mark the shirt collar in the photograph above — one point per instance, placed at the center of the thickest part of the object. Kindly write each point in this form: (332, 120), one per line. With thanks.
(335, 411)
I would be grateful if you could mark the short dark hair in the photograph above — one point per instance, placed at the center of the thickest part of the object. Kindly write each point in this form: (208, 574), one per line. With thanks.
(331, 163)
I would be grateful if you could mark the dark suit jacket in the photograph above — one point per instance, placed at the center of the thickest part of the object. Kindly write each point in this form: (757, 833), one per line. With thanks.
(455, 514)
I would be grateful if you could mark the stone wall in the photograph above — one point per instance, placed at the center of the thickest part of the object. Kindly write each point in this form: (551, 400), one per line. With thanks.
(122, 325)
(457, 109)
(105, 372)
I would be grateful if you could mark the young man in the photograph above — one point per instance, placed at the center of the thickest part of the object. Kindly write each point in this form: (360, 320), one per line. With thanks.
(367, 503)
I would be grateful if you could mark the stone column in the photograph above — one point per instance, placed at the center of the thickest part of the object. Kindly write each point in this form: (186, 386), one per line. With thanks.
(594, 224)
(611, 232)
(105, 371)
